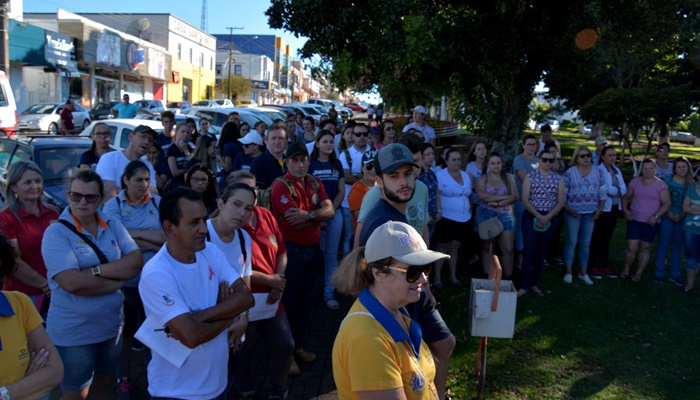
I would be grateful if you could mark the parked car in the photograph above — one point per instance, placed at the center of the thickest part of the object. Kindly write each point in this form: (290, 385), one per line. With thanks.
(55, 156)
(551, 122)
(102, 110)
(207, 103)
(343, 112)
(315, 111)
(218, 116)
(121, 128)
(682, 137)
(225, 103)
(45, 117)
(179, 107)
(355, 106)
(8, 107)
(274, 113)
(246, 103)
(152, 106)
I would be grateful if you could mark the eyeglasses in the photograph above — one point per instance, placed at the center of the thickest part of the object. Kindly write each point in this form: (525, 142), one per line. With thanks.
(200, 180)
(148, 138)
(584, 155)
(369, 166)
(414, 272)
(239, 204)
(547, 160)
(365, 134)
(78, 197)
(389, 128)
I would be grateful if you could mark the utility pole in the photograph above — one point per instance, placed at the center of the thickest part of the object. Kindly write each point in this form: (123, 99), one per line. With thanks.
(4, 39)
(230, 56)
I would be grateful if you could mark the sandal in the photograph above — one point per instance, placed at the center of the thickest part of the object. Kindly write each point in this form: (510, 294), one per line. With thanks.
(537, 291)
(623, 275)
(636, 279)
(522, 292)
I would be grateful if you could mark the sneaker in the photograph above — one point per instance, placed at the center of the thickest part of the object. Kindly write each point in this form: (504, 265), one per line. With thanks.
(660, 281)
(586, 279)
(294, 369)
(677, 281)
(567, 278)
(595, 273)
(545, 263)
(304, 356)
(124, 391)
(608, 272)
(332, 304)
(136, 345)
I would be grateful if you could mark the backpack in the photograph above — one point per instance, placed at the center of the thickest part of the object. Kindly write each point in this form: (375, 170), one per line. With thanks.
(241, 240)
(264, 195)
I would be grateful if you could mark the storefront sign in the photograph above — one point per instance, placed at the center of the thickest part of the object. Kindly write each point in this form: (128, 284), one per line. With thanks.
(134, 56)
(175, 77)
(109, 49)
(156, 63)
(59, 51)
(261, 85)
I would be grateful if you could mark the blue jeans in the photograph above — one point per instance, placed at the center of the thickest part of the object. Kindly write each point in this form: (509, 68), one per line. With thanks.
(330, 240)
(278, 340)
(82, 363)
(535, 249)
(303, 266)
(578, 230)
(518, 210)
(670, 233)
(692, 250)
(348, 230)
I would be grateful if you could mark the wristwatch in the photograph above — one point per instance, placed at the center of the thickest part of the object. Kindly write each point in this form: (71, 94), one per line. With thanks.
(95, 272)
(4, 393)
(312, 215)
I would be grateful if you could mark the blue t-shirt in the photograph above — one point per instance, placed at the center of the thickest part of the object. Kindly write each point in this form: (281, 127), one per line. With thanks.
(90, 158)
(241, 162)
(126, 111)
(678, 191)
(380, 214)
(231, 150)
(329, 174)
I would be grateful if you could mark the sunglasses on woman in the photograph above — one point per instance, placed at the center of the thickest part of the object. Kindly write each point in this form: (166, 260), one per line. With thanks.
(77, 197)
(547, 160)
(584, 155)
(414, 272)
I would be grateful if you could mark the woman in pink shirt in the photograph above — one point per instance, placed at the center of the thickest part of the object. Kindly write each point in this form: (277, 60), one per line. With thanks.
(647, 199)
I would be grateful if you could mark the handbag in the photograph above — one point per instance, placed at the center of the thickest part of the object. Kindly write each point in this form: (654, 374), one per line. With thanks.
(490, 228)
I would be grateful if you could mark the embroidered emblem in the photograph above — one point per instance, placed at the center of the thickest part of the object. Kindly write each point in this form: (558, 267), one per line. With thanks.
(407, 240)
(167, 300)
(284, 199)
(273, 240)
(417, 384)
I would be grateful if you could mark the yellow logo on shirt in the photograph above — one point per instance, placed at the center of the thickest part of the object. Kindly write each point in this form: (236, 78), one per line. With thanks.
(273, 240)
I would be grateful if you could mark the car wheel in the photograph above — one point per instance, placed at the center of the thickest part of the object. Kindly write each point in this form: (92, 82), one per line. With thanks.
(86, 123)
(53, 129)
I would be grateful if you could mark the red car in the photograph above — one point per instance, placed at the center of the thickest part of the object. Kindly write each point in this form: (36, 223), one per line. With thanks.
(356, 107)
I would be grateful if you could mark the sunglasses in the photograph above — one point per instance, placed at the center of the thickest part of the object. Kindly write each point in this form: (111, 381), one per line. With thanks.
(369, 166)
(584, 155)
(77, 197)
(365, 134)
(547, 160)
(390, 128)
(414, 272)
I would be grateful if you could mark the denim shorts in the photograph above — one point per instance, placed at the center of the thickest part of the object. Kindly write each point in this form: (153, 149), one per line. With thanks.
(81, 363)
(508, 220)
(642, 231)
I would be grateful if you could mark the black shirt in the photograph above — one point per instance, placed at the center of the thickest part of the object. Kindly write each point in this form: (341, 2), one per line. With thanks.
(379, 215)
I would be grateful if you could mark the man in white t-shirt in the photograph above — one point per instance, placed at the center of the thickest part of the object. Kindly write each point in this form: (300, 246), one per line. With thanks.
(352, 166)
(191, 289)
(419, 113)
(111, 165)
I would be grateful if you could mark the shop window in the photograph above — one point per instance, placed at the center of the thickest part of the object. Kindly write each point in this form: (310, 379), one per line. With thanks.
(238, 70)
(210, 92)
(179, 51)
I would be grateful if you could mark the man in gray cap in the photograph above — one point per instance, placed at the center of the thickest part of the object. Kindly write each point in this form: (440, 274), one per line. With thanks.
(600, 143)
(419, 113)
(300, 203)
(111, 165)
(396, 179)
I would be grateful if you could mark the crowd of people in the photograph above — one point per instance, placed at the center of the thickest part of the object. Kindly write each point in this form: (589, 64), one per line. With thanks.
(185, 245)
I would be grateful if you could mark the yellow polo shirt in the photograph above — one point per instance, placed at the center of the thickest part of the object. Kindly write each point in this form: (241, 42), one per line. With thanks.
(18, 317)
(367, 356)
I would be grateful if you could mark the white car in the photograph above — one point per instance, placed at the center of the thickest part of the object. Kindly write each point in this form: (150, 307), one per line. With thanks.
(553, 123)
(225, 103)
(121, 128)
(8, 107)
(180, 107)
(45, 117)
(208, 104)
(218, 116)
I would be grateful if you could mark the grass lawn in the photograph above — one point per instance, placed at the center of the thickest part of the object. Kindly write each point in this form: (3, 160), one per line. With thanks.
(614, 340)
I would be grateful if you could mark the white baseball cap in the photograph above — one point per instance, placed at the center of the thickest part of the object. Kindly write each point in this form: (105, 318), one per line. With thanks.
(401, 241)
(252, 137)
(420, 109)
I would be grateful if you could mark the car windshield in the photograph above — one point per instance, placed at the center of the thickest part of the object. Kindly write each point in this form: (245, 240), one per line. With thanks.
(221, 102)
(202, 103)
(40, 109)
(174, 105)
(56, 162)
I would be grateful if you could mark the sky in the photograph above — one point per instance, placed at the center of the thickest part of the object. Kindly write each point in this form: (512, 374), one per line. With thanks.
(249, 14)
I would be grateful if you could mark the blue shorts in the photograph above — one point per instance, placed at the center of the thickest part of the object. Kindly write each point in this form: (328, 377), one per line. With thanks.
(508, 220)
(642, 231)
(81, 363)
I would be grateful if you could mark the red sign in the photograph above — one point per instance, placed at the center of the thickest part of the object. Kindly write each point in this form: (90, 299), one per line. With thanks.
(175, 77)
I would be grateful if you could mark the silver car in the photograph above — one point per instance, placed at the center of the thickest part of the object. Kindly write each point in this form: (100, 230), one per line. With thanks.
(45, 117)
